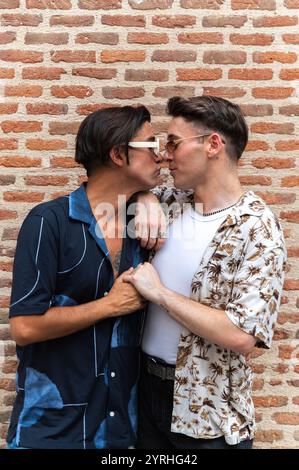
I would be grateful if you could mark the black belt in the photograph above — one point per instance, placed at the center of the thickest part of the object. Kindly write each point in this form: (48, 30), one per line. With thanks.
(156, 367)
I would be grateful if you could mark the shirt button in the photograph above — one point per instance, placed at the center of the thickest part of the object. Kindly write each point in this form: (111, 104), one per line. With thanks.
(112, 374)
(105, 293)
(111, 414)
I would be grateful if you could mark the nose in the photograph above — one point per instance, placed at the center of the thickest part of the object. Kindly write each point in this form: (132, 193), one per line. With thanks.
(159, 157)
(167, 156)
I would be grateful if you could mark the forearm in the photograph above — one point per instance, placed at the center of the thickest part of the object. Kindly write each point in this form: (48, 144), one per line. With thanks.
(60, 321)
(209, 323)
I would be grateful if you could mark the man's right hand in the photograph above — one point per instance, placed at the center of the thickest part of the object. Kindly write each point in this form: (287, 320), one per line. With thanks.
(123, 297)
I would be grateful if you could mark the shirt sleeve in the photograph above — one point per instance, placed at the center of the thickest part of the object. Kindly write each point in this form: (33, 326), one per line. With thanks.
(35, 268)
(257, 289)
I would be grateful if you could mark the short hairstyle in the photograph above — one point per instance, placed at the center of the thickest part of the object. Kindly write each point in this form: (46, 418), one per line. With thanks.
(215, 114)
(100, 131)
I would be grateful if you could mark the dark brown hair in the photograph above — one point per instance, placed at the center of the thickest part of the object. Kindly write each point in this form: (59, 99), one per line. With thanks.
(104, 129)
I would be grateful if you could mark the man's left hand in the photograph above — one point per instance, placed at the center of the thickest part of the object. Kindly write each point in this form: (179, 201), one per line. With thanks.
(146, 280)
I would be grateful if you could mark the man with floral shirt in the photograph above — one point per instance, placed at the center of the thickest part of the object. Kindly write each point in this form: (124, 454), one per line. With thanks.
(214, 287)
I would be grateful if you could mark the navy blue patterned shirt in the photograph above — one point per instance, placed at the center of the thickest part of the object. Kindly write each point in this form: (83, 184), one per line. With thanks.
(78, 391)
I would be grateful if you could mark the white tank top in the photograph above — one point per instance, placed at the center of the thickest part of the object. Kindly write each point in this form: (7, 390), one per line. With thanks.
(176, 263)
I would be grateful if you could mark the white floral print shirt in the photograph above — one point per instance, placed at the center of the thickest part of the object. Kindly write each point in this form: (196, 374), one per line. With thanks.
(241, 273)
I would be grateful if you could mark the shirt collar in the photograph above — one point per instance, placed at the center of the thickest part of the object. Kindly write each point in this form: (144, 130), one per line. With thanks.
(79, 207)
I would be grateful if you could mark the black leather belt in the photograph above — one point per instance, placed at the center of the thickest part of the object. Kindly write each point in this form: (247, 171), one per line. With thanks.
(154, 366)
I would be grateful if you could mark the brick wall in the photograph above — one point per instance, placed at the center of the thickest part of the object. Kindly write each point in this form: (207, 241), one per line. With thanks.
(61, 59)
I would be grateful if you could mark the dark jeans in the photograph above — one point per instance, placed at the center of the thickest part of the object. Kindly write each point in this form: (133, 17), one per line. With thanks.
(155, 411)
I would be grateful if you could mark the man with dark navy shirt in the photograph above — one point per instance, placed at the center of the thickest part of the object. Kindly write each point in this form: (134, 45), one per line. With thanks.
(77, 325)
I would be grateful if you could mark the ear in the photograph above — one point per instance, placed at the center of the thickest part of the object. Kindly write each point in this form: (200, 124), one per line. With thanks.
(118, 156)
(214, 145)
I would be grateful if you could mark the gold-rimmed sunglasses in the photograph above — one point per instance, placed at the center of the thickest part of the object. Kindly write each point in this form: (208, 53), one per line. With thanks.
(172, 145)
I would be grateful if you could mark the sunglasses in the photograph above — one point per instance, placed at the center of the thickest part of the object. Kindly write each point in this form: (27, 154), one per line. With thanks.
(154, 146)
(172, 145)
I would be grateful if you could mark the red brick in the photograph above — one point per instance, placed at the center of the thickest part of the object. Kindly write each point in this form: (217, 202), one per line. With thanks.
(42, 73)
(123, 93)
(175, 21)
(293, 251)
(99, 73)
(227, 57)
(9, 4)
(167, 92)
(291, 38)
(122, 56)
(277, 198)
(291, 3)
(7, 73)
(21, 20)
(275, 382)
(224, 92)
(287, 145)
(274, 21)
(8, 108)
(290, 181)
(46, 108)
(7, 179)
(24, 90)
(291, 217)
(252, 39)
(73, 56)
(272, 128)
(270, 401)
(254, 145)
(146, 75)
(258, 384)
(6, 38)
(210, 4)
(8, 144)
(21, 126)
(256, 180)
(269, 435)
(258, 368)
(46, 38)
(10, 233)
(43, 180)
(274, 162)
(272, 93)
(42, 144)
(22, 196)
(216, 21)
(63, 128)
(257, 109)
(63, 162)
(286, 351)
(200, 38)
(291, 284)
(147, 38)
(5, 282)
(97, 38)
(275, 56)
(99, 4)
(288, 317)
(86, 109)
(286, 74)
(21, 56)
(250, 74)
(71, 21)
(9, 366)
(174, 56)
(280, 334)
(20, 162)
(124, 20)
(71, 90)
(7, 384)
(290, 418)
(150, 4)
(6, 214)
(290, 110)
(49, 4)
(295, 400)
(199, 74)
(253, 4)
